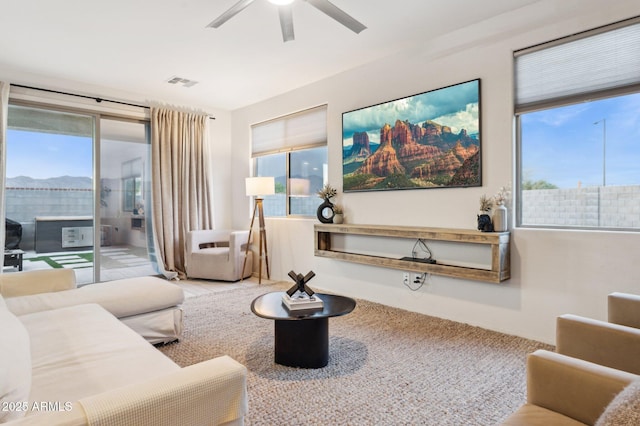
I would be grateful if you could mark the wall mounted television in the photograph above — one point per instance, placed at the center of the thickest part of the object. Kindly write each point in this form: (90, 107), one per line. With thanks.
(428, 140)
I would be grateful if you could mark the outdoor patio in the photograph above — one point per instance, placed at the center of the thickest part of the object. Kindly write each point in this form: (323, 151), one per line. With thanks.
(116, 262)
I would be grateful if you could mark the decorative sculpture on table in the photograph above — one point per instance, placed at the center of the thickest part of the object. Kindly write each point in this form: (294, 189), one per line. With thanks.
(301, 296)
(484, 220)
(301, 283)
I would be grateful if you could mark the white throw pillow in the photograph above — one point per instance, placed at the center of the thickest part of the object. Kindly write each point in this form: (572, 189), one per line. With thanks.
(15, 367)
(624, 410)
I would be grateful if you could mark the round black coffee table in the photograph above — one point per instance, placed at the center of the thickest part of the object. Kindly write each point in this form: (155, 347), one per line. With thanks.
(301, 337)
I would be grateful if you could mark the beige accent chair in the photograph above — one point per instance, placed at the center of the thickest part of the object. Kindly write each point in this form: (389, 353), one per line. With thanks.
(565, 391)
(615, 344)
(624, 309)
(592, 378)
(218, 255)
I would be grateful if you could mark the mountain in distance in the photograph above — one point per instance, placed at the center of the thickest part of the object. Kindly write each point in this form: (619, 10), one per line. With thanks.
(410, 155)
(67, 182)
(354, 155)
(360, 149)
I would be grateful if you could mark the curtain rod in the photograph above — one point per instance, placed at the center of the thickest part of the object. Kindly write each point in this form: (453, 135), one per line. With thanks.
(98, 100)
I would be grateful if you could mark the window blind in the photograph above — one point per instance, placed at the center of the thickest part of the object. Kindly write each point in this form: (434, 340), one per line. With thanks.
(303, 129)
(594, 64)
(48, 121)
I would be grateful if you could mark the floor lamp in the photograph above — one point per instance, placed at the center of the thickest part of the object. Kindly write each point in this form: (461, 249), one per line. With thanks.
(259, 187)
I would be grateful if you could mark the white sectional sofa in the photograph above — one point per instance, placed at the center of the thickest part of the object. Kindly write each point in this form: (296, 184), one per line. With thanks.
(149, 305)
(80, 365)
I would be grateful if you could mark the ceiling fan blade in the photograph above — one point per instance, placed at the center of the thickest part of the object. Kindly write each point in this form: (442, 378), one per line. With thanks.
(233, 11)
(286, 22)
(338, 14)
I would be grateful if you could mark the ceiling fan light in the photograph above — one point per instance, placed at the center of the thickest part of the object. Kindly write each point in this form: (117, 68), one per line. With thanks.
(281, 2)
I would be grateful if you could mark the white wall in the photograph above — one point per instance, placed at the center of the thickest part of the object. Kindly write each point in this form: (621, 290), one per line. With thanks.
(553, 272)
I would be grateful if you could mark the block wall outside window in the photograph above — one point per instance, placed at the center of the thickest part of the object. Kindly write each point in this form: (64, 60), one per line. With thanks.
(595, 207)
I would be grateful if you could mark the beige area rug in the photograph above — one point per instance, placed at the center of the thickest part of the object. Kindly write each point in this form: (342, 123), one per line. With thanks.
(386, 366)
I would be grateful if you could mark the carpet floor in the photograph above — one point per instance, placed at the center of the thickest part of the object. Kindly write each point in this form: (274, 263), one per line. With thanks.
(386, 366)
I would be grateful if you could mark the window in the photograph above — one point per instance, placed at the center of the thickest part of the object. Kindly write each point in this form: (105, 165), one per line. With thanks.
(292, 149)
(578, 129)
(132, 199)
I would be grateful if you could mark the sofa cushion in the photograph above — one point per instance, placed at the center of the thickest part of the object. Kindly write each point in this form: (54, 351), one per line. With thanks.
(83, 350)
(37, 281)
(15, 366)
(222, 252)
(624, 409)
(122, 298)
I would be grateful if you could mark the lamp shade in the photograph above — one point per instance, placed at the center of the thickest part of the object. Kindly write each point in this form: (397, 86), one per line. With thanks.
(259, 186)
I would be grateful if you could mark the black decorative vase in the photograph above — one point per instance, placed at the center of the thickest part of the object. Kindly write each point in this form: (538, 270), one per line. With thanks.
(484, 223)
(325, 211)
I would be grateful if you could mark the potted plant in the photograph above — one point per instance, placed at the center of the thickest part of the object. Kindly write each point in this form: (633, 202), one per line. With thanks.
(327, 192)
(484, 220)
(338, 216)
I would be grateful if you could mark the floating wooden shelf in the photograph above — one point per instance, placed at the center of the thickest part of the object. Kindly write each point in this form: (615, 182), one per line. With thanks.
(499, 242)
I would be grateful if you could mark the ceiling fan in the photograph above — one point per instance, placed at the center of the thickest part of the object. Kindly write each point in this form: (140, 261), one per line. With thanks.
(286, 15)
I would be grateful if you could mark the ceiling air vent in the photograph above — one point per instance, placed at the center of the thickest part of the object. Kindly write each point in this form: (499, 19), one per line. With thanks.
(184, 81)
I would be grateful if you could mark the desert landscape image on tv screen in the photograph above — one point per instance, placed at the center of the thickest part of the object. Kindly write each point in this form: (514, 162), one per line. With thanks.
(429, 140)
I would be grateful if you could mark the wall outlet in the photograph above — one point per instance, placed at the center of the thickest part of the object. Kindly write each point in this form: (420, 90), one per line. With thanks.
(406, 276)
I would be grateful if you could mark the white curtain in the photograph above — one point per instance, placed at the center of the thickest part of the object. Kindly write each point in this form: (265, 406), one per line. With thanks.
(4, 110)
(180, 193)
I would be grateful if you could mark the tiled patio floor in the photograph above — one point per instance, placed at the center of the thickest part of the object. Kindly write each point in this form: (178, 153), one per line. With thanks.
(116, 262)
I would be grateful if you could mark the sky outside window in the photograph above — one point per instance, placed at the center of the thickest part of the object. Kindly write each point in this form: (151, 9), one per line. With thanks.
(564, 146)
(44, 155)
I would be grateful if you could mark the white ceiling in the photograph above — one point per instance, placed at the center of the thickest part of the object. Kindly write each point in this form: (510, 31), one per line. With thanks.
(133, 47)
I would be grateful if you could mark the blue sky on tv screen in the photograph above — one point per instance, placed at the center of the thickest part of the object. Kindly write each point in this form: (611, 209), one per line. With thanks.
(454, 106)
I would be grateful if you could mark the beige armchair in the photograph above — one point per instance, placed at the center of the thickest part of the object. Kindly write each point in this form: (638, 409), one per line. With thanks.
(614, 344)
(624, 309)
(567, 391)
(217, 255)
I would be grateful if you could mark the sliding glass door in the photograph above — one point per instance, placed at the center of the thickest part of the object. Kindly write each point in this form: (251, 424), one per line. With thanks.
(125, 199)
(78, 189)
